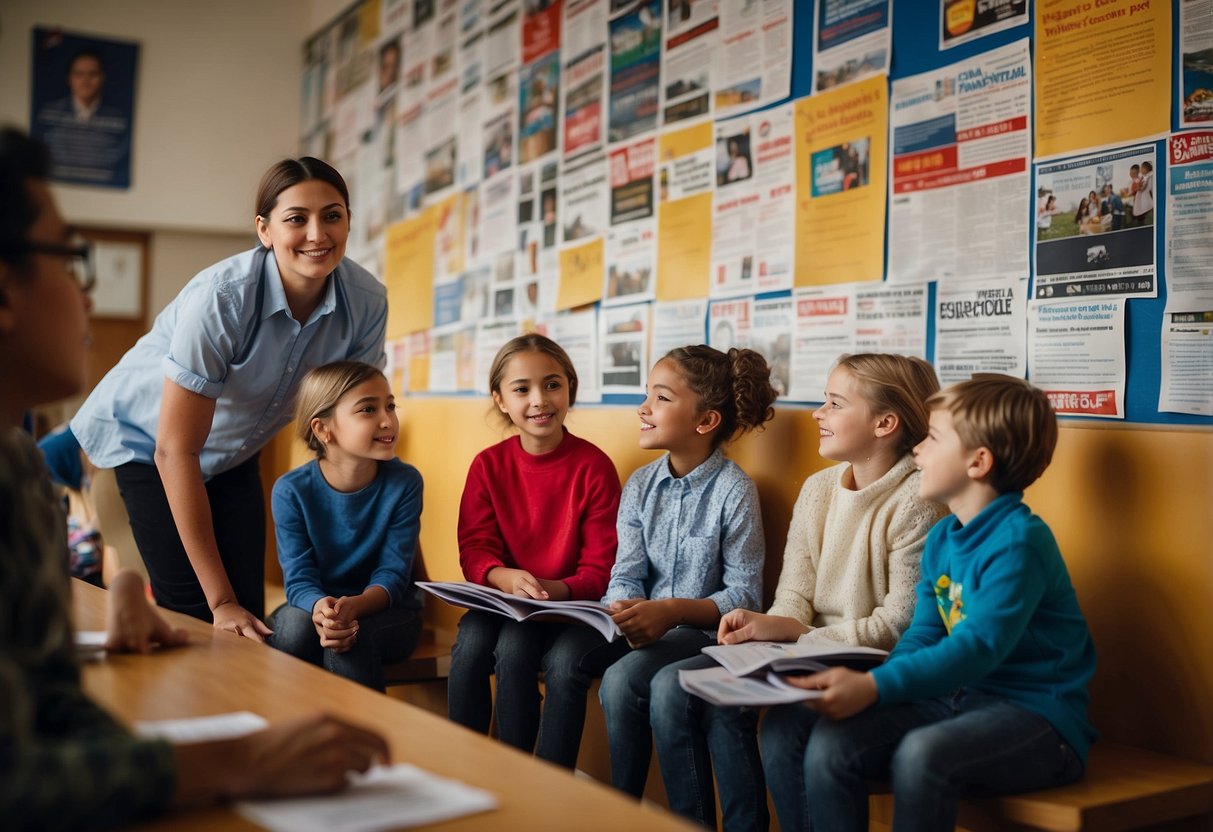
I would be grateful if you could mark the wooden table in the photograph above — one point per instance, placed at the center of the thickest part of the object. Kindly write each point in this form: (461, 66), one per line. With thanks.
(219, 673)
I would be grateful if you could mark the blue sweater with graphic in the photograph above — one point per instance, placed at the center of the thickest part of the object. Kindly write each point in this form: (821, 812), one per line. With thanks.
(334, 543)
(996, 612)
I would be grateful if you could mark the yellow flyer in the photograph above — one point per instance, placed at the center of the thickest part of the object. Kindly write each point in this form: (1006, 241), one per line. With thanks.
(580, 275)
(408, 269)
(684, 212)
(841, 182)
(1103, 73)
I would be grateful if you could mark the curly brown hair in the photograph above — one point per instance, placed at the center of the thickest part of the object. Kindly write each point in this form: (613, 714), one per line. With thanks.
(736, 384)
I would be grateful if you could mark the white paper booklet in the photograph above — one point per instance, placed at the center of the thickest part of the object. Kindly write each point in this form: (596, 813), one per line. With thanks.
(386, 797)
(752, 656)
(487, 599)
(202, 728)
(718, 686)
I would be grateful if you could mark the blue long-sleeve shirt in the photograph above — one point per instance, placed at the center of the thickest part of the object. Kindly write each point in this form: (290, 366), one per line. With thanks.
(996, 612)
(334, 543)
(697, 536)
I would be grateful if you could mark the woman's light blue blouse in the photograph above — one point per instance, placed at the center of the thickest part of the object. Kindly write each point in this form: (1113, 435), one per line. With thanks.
(216, 340)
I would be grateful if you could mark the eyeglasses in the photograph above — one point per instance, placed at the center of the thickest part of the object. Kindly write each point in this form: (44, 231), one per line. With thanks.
(79, 254)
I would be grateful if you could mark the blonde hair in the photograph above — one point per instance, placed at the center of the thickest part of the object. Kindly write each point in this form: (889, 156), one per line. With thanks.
(737, 385)
(900, 384)
(319, 393)
(1010, 417)
(531, 342)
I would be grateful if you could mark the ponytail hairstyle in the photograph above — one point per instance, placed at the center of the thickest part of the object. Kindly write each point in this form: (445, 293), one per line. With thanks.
(319, 393)
(899, 384)
(737, 385)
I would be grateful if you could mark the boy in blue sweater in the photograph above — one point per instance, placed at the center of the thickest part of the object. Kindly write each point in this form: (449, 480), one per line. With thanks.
(987, 689)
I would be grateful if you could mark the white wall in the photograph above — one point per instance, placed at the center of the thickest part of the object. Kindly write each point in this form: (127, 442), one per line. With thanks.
(217, 102)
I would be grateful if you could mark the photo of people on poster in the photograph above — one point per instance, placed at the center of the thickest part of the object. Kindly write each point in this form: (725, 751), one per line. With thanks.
(82, 105)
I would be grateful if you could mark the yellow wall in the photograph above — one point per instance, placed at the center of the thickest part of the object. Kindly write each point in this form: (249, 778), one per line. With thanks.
(1131, 507)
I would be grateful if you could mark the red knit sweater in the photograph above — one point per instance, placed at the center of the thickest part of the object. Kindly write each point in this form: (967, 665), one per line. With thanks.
(551, 514)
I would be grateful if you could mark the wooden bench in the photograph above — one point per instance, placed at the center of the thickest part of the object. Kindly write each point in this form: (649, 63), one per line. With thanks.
(1123, 788)
(429, 662)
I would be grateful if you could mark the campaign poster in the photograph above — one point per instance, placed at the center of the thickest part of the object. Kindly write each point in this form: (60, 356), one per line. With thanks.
(82, 106)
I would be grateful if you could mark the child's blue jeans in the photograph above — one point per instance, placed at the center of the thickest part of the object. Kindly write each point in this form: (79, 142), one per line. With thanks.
(386, 637)
(933, 751)
(570, 656)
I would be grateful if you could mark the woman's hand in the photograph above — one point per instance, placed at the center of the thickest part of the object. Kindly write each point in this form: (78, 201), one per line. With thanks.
(642, 621)
(132, 624)
(844, 692)
(236, 619)
(740, 625)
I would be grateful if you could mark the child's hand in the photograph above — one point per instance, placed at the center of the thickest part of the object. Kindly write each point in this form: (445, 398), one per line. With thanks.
(845, 692)
(132, 624)
(642, 621)
(334, 633)
(741, 625)
(517, 582)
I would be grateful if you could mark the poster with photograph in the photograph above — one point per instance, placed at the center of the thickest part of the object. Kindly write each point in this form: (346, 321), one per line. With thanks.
(851, 41)
(539, 93)
(964, 20)
(729, 323)
(635, 70)
(1095, 232)
(623, 361)
(692, 38)
(82, 106)
(630, 260)
(1195, 89)
(631, 167)
(771, 335)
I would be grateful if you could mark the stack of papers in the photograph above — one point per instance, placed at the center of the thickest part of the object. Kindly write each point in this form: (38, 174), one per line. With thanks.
(750, 673)
(487, 599)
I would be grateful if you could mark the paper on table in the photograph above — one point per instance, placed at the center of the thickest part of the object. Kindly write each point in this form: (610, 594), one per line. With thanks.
(202, 728)
(386, 797)
(90, 644)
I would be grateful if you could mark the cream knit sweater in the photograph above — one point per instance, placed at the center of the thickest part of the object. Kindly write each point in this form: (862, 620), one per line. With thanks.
(852, 557)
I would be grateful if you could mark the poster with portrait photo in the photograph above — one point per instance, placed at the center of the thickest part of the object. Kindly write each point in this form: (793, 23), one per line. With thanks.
(82, 105)
(1095, 232)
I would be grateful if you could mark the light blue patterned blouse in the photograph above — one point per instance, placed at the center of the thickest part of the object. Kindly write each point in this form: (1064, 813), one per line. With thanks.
(698, 536)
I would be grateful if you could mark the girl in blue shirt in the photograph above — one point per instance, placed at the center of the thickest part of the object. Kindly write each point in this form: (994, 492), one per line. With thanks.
(691, 545)
(347, 525)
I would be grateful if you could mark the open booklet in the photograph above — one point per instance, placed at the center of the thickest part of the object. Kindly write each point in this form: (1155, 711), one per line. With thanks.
(788, 657)
(488, 599)
(718, 686)
(750, 672)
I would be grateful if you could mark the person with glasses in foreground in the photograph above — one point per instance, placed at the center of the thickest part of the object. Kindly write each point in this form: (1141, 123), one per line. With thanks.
(64, 762)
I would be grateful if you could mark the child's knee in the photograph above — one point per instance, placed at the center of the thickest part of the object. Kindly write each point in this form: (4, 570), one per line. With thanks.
(921, 756)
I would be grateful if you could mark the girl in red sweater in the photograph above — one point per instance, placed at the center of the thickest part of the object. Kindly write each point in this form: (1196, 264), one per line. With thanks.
(537, 519)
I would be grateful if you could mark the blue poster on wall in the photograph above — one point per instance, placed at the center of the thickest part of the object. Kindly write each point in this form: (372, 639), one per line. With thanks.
(82, 106)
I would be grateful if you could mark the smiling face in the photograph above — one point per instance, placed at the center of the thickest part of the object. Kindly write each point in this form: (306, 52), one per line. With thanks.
(670, 412)
(44, 329)
(943, 461)
(307, 230)
(363, 424)
(846, 424)
(534, 393)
